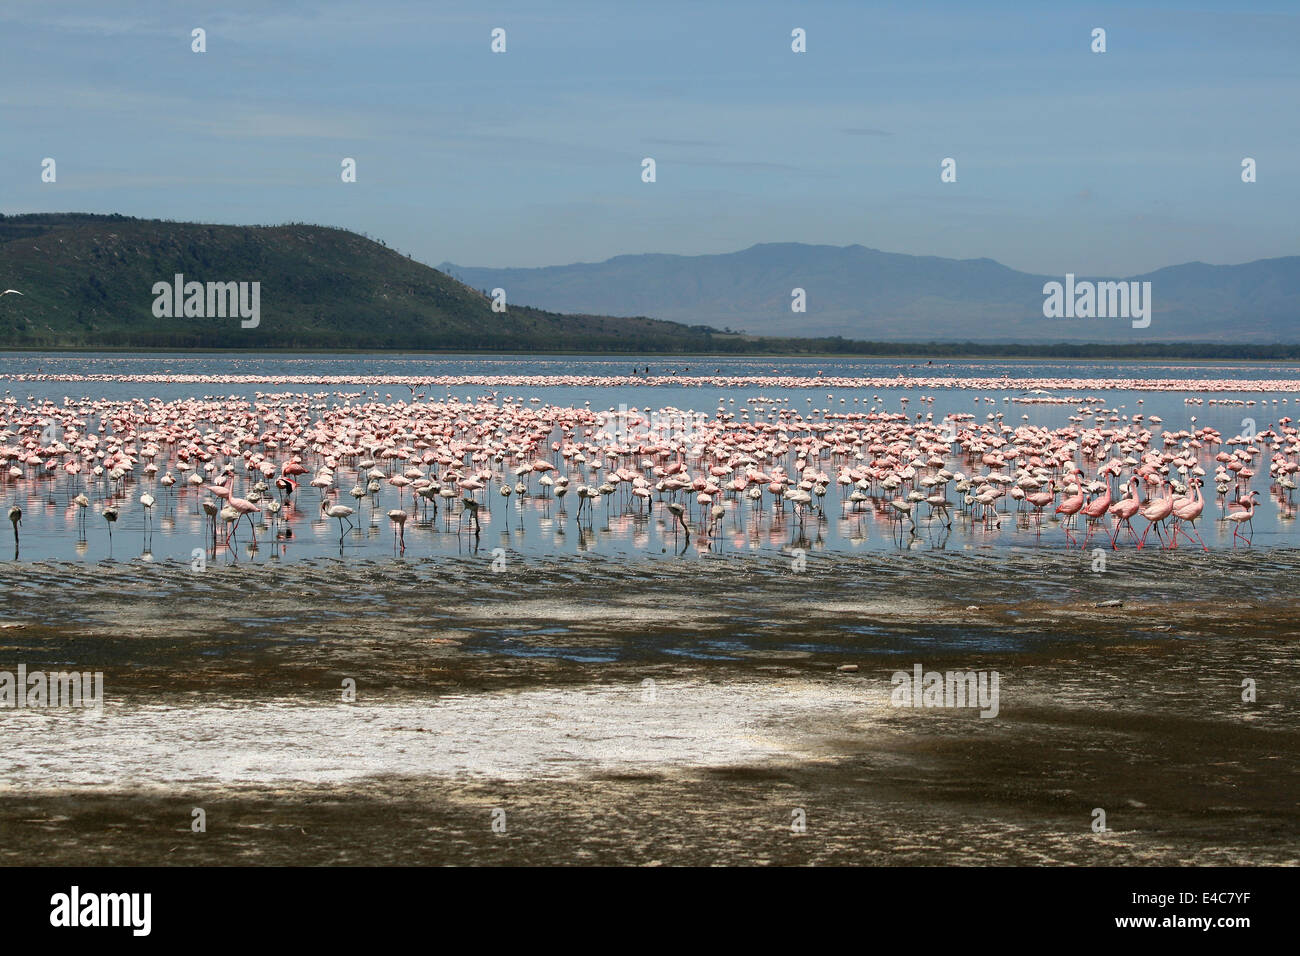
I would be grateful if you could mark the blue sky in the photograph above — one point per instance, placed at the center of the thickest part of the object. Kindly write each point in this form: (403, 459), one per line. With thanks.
(1067, 160)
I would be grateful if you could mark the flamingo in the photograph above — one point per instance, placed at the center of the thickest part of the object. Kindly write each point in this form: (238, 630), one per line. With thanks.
(82, 502)
(799, 500)
(903, 509)
(430, 495)
(230, 518)
(398, 518)
(1157, 511)
(341, 512)
(286, 486)
(210, 514)
(678, 513)
(246, 509)
(273, 509)
(1186, 512)
(584, 498)
(1071, 506)
(1124, 510)
(1245, 516)
(1094, 511)
(467, 505)
(206, 443)
(1041, 499)
(399, 482)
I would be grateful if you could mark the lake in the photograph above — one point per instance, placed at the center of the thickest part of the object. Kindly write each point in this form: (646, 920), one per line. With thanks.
(537, 525)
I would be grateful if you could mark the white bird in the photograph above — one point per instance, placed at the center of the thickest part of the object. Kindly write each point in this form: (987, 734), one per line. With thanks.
(341, 512)
(398, 518)
(7, 291)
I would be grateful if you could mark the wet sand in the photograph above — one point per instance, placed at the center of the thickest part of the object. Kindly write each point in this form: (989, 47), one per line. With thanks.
(525, 692)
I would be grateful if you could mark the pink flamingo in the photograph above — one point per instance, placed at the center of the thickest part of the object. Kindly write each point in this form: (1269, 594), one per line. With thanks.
(1156, 512)
(1245, 516)
(1094, 511)
(1123, 512)
(246, 509)
(1186, 512)
(1069, 507)
(287, 486)
(1041, 499)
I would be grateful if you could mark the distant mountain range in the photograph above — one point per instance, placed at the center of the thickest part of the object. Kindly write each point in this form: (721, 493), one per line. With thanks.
(866, 294)
(91, 281)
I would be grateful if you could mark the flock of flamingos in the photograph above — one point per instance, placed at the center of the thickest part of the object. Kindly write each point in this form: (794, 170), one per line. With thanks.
(1117, 479)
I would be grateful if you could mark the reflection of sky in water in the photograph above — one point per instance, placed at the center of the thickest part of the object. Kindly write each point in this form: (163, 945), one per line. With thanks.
(540, 526)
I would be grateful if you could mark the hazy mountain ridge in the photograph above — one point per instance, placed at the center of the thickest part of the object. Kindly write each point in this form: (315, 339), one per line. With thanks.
(863, 293)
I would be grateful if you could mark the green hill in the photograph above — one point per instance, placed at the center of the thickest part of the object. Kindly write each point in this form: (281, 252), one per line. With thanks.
(87, 281)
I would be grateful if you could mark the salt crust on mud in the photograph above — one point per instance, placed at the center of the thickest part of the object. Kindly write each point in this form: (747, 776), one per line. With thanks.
(536, 733)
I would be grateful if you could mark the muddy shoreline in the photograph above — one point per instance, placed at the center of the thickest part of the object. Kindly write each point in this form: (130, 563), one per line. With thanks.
(527, 692)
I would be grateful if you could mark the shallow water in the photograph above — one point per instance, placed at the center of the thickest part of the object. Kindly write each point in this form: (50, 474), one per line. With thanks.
(541, 526)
